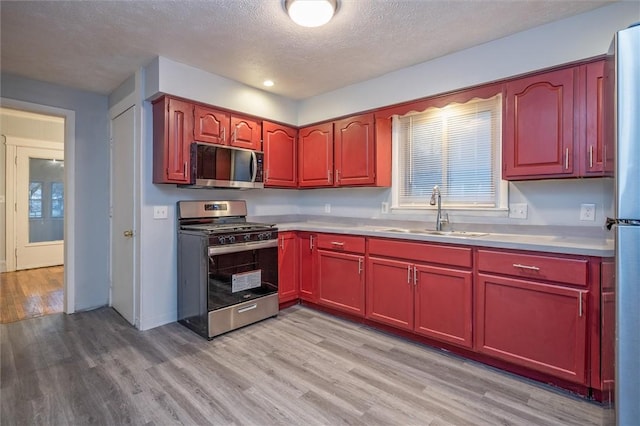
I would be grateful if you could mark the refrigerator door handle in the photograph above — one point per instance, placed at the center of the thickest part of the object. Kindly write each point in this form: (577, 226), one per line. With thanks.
(610, 222)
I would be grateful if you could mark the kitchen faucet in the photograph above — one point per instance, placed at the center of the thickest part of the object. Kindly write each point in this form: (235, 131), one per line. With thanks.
(435, 194)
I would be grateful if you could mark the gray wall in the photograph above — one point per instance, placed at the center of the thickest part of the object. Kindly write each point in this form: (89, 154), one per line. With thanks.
(91, 227)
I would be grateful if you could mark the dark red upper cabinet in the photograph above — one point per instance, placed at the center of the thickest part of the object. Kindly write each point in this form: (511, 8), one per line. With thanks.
(210, 125)
(597, 155)
(315, 156)
(172, 137)
(246, 133)
(280, 155)
(354, 153)
(539, 126)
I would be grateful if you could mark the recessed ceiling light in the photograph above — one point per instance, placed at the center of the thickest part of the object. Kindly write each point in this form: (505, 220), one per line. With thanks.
(268, 83)
(311, 13)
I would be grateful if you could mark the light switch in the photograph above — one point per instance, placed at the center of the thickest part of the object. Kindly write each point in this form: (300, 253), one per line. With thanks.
(518, 210)
(160, 212)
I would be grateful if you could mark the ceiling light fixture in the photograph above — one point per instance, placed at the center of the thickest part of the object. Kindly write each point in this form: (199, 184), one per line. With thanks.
(311, 13)
(268, 83)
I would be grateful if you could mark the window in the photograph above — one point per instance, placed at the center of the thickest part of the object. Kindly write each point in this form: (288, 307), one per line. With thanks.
(57, 199)
(35, 199)
(457, 148)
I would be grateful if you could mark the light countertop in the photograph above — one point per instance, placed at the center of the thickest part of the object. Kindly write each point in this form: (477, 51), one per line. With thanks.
(587, 245)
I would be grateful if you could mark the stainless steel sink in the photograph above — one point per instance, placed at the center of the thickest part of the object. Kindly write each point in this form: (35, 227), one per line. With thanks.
(449, 233)
(434, 232)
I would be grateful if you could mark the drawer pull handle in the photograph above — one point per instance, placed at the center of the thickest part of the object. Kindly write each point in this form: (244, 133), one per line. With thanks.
(566, 159)
(337, 243)
(415, 276)
(247, 308)
(530, 268)
(408, 274)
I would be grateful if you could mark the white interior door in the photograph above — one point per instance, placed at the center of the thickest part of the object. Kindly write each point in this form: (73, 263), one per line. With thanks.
(123, 235)
(39, 207)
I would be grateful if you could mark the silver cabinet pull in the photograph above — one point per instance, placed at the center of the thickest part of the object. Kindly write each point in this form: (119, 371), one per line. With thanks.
(282, 243)
(247, 308)
(337, 243)
(337, 176)
(415, 276)
(566, 159)
(223, 138)
(328, 176)
(185, 170)
(580, 305)
(408, 274)
(311, 242)
(590, 156)
(530, 268)
(359, 266)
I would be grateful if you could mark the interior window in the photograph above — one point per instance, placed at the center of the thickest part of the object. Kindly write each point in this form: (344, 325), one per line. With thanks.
(457, 148)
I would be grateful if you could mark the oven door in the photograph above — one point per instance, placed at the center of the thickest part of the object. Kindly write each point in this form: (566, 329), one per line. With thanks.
(241, 272)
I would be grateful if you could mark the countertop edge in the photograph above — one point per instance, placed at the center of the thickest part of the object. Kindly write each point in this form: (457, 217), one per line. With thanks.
(547, 244)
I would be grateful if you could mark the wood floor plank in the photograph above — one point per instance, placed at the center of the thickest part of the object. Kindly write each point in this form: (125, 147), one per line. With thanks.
(303, 367)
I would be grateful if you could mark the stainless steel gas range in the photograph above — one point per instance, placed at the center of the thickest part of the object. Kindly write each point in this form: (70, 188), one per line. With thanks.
(227, 267)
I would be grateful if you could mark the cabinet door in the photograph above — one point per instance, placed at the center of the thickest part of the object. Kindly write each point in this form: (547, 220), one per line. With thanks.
(341, 281)
(172, 135)
(595, 151)
(315, 155)
(246, 133)
(443, 305)
(390, 291)
(307, 247)
(210, 125)
(354, 148)
(538, 126)
(539, 326)
(287, 267)
(280, 155)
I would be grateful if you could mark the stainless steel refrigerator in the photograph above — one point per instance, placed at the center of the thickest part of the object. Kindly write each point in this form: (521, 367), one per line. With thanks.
(622, 99)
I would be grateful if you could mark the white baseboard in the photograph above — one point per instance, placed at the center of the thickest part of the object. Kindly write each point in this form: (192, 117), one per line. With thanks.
(3, 266)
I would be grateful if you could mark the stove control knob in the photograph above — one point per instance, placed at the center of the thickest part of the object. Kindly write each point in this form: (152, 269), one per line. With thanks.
(231, 239)
(221, 240)
(267, 235)
(247, 237)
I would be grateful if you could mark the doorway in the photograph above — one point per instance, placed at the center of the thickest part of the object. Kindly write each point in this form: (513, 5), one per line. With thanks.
(37, 188)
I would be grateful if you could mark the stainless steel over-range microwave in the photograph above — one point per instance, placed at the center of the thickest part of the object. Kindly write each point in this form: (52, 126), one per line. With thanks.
(219, 166)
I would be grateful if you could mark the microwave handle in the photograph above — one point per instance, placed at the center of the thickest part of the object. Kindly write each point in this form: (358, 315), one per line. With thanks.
(254, 158)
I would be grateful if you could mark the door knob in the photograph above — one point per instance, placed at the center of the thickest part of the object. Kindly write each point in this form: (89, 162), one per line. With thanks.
(128, 233)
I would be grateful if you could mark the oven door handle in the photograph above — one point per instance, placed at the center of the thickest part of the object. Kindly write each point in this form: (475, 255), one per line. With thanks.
(236, 248)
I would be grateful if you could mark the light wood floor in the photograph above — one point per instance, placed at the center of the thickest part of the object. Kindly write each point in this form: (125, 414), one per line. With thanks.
(301, 368)
(30, 293)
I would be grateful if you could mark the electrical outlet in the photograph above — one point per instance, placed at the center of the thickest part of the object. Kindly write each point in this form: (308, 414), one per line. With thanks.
(518, 210)
(588, 212)
(385, 207)
(327, 208)
(160, 212)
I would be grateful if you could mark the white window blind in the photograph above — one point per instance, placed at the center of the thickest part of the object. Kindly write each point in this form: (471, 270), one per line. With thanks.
(456, 148)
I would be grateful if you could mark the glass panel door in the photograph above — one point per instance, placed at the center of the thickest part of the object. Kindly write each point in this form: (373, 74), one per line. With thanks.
(46, 200)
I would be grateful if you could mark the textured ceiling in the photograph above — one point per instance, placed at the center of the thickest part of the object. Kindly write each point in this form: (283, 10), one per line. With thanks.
(96, 45)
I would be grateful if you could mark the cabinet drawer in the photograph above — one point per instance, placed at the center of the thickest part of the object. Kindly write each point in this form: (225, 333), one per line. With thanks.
(341, 243)
(564, 270)
(430, 253)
